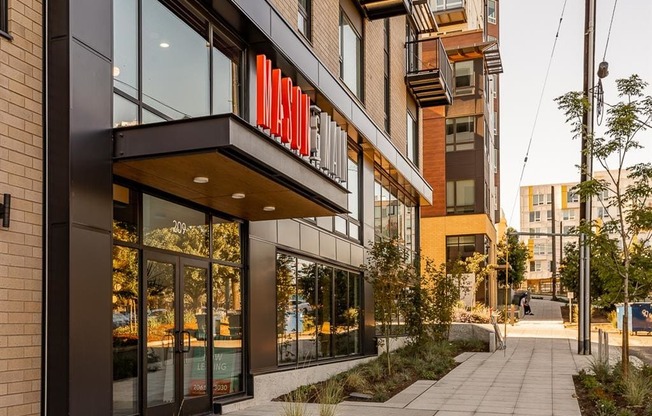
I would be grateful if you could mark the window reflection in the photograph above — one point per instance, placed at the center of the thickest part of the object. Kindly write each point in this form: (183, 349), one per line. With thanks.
(309, 324)
(174, 227)
(226, 240)
(125, 331)
(175, 64)
(125, 214)
(125, 113)
(286, 313)
(227, 330)
(125, 46)
(395, 215)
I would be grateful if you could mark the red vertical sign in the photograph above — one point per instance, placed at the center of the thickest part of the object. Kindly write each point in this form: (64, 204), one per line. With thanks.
(263, 91)
(305, 125)
(277, 111)
(295, 119)
(286, 105)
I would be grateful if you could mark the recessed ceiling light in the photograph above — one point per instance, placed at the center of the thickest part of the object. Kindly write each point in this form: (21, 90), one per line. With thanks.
(238, 195)
(269, 208)
(200, 179)
(116, 71)
(164, 45)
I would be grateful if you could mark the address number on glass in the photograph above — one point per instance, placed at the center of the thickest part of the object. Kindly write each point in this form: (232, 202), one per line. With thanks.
(179, 227)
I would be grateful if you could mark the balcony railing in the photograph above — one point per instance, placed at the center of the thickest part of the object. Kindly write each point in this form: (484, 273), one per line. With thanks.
(449, 12)
(429, 72)
(380, 9)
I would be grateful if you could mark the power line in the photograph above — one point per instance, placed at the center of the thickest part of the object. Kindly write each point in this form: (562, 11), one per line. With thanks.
(536, 117)
(613, 13)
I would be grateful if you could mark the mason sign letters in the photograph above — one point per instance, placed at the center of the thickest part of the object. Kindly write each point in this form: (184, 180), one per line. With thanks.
(285, 113)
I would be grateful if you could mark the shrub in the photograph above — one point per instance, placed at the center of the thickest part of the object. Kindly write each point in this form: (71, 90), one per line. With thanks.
(601, 369)
(329, 396)
(295, 404)
(636, 387)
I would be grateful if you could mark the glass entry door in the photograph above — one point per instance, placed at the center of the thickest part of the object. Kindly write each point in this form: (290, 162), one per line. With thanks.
(175, 355)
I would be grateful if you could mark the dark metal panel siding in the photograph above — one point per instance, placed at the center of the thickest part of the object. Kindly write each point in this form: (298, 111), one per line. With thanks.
(369, 332)
(90, 321)
(56, 331)
(262, 298)
(91, 22)
(90, 139)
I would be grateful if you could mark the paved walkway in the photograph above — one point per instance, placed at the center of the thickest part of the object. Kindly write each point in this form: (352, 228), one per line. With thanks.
(532, 376)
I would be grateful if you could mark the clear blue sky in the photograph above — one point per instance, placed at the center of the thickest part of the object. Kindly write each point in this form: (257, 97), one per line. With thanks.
(526, 39)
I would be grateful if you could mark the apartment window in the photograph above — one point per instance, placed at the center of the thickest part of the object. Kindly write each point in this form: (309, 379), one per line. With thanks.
(303, 18)
(387, 82)
(572, 197)
(538, 199)
(549, 215)
(604, 195)
(460, 133)
(440, 5)
(532, 266)
(602, 212)
(460, 247)
(540, 249)
(460, 196)
(568, 214)
(4, 19)
(350, 55)
(535, 216)
(349, 225)
(412, 139)
(464, 78)
(491, 11)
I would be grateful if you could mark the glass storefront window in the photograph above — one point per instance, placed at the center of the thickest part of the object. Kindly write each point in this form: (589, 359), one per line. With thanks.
(176, 79)
(226, 240)
(317, 310)
(324, 310)
(225, 84)
(125, 46)
(125, 112)
(125, 331)
(394, 214)
(149, 117)
(174, 227)
(125, 214)
(227, 330)
(286, 314)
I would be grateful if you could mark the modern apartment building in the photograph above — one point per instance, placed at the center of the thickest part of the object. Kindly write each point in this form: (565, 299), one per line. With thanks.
(193, 184)
(555, 208)
(461, 137)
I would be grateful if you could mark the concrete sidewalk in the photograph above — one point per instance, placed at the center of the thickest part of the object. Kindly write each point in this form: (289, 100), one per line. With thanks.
(532, 376)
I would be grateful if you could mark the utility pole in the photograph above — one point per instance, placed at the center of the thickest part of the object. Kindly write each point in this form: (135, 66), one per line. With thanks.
(584, 298)
(553, 264)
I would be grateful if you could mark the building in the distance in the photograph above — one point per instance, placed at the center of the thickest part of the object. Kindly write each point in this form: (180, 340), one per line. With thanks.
(194, 183)
(461, 140)
(555, 209)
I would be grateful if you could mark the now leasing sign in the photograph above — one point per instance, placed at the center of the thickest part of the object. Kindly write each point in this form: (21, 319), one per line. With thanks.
(286, 114)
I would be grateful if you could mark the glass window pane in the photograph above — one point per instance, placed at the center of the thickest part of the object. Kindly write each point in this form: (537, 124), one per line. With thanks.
(450, 194)
(226, 240)
(174, 227)
(353, 187)
(125, 46)
(125, 331)
(286, 308)
(353, 314)
(324, 311)
(125, 214)
(354, 231)
(350, 55)
(227, 330)
(225, 84)
(378, 207)
(465, 193)
(175, 64)
(149, 117)
(306, 309)
(195, 301)
(125, 113)
(340, 224)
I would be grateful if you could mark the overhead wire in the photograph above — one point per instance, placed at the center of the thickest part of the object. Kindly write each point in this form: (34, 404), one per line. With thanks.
(536, 116)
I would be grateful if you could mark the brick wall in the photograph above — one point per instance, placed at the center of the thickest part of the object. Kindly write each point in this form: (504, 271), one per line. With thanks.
(21, 150)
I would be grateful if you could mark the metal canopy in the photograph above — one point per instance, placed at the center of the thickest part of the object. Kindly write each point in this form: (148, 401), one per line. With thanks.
(381, 9)
(236, 158)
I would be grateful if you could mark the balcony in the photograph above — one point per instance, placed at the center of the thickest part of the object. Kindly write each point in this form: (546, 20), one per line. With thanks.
(429, 72)
(449, 12)
(380, 9)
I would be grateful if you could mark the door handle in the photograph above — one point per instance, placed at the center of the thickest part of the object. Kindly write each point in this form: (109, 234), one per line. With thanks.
(185, 341)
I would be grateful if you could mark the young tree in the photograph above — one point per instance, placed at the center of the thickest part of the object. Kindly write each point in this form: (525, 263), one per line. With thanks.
(629, 214)
(511, 250)
(390, 273)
